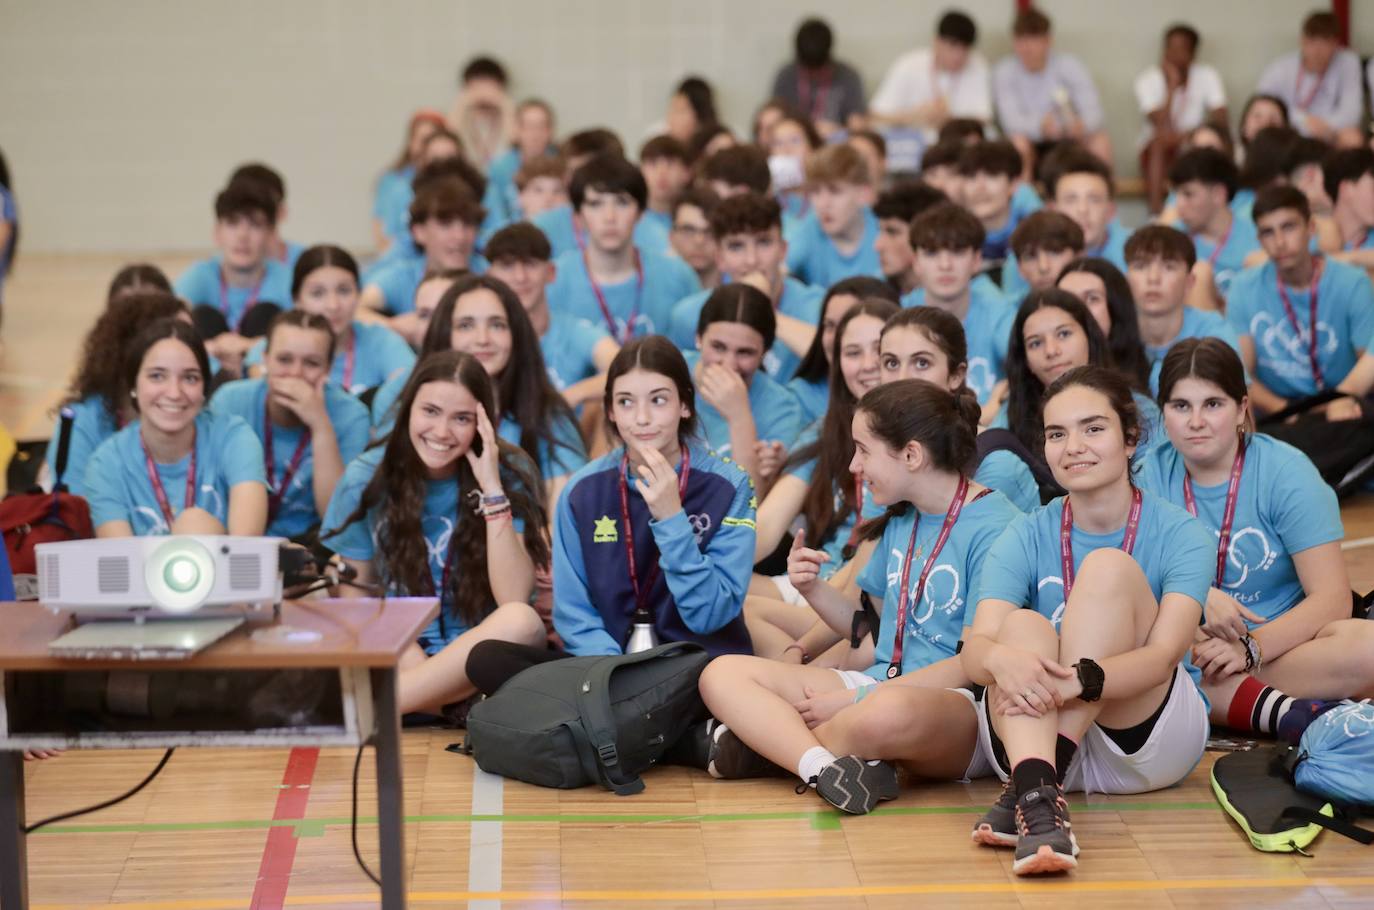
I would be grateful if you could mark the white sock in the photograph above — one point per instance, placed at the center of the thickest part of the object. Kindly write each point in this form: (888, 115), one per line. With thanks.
(812, 761)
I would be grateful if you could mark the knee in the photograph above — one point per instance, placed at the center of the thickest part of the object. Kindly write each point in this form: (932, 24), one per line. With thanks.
(519, 623)
(196, 520)
(1021, 626)
(1108, 570)
(720, 675)
(878, 720)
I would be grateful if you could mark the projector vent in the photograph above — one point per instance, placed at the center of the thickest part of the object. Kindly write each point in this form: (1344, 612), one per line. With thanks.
(51, 575)
(245, 572)
(112, 574)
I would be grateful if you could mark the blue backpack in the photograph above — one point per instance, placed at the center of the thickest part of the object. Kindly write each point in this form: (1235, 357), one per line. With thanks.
(1335, 758)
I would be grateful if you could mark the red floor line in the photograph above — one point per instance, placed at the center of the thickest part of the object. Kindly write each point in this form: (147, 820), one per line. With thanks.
(279, 854)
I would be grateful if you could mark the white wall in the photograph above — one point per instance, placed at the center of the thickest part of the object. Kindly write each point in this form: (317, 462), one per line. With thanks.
(121, 120)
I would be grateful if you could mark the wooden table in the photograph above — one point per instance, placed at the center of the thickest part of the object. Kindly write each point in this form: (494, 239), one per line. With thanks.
(362, 639)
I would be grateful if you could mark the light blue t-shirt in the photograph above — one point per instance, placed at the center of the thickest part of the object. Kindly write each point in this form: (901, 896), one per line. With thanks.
(1196, 324)
(1006, 473)
(1283, 507)
(800, 301)
(200, 285)
(247, 399)
(666, 281)
(391, 204)
(1172, 548)
(935, 624)
(1024, 201)
(378, 354)
(813, 258)
(118, 489)
(987, 328)
(1345, 326)
(568, 346)
(1228, 262)
(397, 279)
(812, 394)
(777, 415)
(9, 214)
(1113, 249)
(558, 226)
(359, 540)
(92, 424)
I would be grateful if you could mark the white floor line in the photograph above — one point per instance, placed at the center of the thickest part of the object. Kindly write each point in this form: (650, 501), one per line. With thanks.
(1356, 544)
(484, 852)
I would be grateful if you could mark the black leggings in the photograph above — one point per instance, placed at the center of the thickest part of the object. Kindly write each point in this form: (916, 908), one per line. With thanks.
(492, 662)
(210, 322)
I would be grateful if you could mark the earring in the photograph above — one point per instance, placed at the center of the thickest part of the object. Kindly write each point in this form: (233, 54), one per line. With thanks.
(133, 394)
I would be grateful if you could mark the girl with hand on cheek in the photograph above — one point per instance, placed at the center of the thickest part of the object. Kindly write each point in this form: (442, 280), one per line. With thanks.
(309, 428)
(444, 507)
(177, 469)
(1278, 638)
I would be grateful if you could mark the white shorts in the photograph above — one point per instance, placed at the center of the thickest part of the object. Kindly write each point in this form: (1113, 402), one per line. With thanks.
(790, 594)
(978, 766)
(1173, 749)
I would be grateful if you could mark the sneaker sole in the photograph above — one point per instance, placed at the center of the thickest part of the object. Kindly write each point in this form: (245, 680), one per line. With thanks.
(740, 761)
(1045, 861)
(842, 785)
(990, 837)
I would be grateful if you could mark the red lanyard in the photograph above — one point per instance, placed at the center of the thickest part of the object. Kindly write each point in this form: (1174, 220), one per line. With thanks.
(160, 492)
(277, 494)
(1312, 323)
(1066, 536)
(606, 310)
(1358, 242)
(1298, 101)
(894, 667)
(642, 594)
(814, 104)
(1228, 515)
(1221, 244)
(224, 297)
(350, 357)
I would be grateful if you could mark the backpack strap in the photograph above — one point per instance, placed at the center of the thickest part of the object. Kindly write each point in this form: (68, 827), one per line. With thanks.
(64, 441)
(999, 439)
(1342, 822)
(598, 721)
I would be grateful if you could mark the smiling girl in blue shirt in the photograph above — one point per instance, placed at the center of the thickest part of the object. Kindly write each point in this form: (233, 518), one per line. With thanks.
(811, 384)
(445, 507)
(178, 468)
(1278, 613)
(912, 440)
(1088, 607)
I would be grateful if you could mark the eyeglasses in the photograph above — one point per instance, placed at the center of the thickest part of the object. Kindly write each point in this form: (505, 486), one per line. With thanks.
(691, 232)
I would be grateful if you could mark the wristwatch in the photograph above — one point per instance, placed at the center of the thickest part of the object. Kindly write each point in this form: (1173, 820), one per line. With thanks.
(1090, 677)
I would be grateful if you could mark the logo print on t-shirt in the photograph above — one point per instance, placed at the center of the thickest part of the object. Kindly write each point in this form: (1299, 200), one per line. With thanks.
(700, 525)
(980, 377)
(1285, 351)
(605, 531)
(1057, 616)
(1255, 556)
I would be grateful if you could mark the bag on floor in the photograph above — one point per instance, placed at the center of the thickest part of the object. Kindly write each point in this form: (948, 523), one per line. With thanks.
(33, 517)
(1335, 758)
(584, 720)
(1255, 789)
(1343, 451)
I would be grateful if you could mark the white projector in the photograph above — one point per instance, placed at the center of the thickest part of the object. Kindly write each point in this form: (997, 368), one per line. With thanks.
(168, 576)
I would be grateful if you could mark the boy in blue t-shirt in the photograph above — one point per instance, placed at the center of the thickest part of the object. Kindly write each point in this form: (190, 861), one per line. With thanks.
(577, 353)
(611, 282)
(948, 240)
(748, 238)
(1348, 179)
(1274, 308)
(667, 171)
(234, 295)
(836, 240)
(895, 209)
(541, 185)
(1204, 182)
(691, 237)
(1042, 244)
(444, 218)
(279, 249)
(1159, 267)
(534, 128)
(988, 175)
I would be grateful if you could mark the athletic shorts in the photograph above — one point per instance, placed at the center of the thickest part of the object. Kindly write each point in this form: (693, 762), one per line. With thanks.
(978, 765)
(790, 594)
(1173, 748)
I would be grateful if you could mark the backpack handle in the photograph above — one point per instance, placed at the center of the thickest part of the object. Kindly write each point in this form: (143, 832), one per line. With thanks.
(1342, 823)
(64, 441)
(598, 722)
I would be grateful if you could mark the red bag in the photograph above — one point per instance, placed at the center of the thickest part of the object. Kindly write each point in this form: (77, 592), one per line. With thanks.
(28, 519)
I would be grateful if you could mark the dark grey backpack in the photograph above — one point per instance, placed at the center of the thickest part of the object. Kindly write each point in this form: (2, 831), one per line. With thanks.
(583, 720)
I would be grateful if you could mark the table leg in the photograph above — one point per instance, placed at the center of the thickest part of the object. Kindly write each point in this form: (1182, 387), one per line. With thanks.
(14, 863)
(390, 805)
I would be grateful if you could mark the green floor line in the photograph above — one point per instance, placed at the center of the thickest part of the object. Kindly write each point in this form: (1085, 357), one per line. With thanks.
(820, 820)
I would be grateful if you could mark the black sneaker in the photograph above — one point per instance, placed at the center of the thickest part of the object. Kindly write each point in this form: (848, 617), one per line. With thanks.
(997, 827)
(853, 785)
(1046, 843)
(728, 758)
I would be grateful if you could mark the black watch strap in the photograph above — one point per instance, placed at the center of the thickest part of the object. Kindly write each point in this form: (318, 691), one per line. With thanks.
(1090, 679)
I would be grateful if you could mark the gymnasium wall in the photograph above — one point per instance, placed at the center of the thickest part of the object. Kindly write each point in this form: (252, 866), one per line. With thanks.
(121, 120)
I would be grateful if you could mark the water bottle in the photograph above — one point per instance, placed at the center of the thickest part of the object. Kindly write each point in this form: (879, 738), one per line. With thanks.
(642, 635)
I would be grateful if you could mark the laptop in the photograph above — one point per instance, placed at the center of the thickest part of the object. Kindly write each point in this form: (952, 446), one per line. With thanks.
(153, 639)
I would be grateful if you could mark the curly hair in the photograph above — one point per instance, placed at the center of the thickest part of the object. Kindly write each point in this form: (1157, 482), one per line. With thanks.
(398, 490)
(101, 373)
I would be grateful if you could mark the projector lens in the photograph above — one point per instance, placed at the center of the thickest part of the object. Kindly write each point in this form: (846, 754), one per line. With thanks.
(181, 574)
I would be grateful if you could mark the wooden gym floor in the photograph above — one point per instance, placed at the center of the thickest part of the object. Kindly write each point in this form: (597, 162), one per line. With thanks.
(270, 828)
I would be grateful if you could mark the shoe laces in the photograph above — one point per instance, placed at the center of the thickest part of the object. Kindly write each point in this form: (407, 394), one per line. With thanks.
(806, 785)
(1040, 811)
